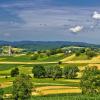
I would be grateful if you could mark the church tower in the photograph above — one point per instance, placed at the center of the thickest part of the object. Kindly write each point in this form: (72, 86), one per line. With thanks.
(9, 51)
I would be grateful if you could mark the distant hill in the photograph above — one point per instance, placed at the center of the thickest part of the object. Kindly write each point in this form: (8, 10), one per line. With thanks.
(42, 45)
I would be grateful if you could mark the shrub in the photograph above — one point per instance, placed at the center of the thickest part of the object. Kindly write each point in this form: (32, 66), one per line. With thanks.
(60, 62)
(35, 57)
(77, 53)
(14, 72)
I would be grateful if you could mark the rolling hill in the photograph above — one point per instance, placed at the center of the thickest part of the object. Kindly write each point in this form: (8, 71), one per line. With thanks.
(43, 45)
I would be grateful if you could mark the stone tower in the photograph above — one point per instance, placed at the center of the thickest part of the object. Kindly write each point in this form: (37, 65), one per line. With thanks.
(9, 51)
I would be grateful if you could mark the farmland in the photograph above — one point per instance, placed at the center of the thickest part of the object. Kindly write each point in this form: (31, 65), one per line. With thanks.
(48, 88)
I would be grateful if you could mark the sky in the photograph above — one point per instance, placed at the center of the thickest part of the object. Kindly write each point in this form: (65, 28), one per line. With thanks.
(50, 20)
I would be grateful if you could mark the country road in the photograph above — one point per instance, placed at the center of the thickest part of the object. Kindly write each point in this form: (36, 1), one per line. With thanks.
(28, 62)
(68, 62)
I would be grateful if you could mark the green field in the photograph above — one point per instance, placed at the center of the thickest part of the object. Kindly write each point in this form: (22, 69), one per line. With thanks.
(47, 88)
(56, 57)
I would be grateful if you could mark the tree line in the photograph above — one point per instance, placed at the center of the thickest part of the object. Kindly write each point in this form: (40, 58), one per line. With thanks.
(41, 71)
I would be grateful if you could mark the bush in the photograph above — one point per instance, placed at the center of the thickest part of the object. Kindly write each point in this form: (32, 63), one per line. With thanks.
(14, 72)
(35, 57)
(48, 53)
(60, 62)
(82, 50)
(77, 53)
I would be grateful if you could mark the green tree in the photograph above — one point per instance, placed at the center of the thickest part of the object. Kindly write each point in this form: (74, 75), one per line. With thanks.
(1, 93)
(22, 87)
(90, 81)
(90, 54)
(53, 51)
(82, 50)
(59, 50)
(70, 72)
(77, 53)
(38, 71)
(53, 72)
(42, 55)
(49, 71)
(14, 72)
(1, 50)
(60, 62)
(56, 72)
(48, 53)
(35, 57)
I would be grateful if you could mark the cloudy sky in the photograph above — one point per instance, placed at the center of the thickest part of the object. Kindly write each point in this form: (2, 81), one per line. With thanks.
(50, 20)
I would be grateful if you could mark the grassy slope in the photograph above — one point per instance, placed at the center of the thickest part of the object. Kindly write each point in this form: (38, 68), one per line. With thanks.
(56, 57)
(22, 68)
(81, 57)
(26, 58)
(75, 58)
(52, 58)
(23, 58)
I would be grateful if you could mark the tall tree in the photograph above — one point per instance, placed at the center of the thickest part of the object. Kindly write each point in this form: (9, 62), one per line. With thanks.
(22, 87)
(90, 81)
(1, 93)
(38, 71)
(56, 72)
(70, 72)
(49, 70)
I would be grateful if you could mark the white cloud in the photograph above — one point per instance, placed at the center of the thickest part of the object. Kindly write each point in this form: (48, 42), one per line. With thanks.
(96, 15)
(76, 29)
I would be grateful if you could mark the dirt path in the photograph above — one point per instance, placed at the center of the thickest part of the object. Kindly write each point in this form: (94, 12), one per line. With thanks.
(68, 62)
(6, 62)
